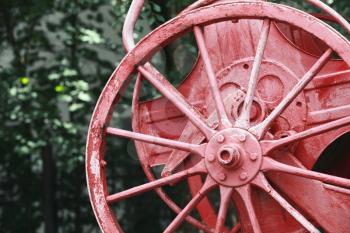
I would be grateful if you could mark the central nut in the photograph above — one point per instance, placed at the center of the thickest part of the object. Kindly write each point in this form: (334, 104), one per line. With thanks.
(228, 156)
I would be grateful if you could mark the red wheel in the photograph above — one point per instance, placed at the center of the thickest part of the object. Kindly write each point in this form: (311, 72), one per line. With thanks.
(252, 106)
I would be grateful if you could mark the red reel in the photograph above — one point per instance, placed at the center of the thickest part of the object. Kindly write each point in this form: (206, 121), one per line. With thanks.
(252, 119)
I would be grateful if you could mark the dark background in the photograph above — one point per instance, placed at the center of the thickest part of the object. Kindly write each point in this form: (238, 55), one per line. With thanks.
(55, 57)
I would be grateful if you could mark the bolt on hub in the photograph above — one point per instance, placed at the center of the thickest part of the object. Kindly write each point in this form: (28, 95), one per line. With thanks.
(233, 157)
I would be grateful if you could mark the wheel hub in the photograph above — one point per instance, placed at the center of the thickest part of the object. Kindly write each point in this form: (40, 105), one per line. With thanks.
(229, 156)
(233, 157)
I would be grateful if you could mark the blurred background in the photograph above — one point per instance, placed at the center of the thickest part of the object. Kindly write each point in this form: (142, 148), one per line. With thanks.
(55, 58)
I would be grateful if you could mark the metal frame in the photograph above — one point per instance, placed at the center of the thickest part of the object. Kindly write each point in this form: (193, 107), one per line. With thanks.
(236, 155)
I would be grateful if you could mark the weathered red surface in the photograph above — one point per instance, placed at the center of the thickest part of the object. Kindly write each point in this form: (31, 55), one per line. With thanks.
(265, 98)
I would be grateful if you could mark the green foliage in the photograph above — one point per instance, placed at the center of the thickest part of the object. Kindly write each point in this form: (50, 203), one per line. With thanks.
(52, 72)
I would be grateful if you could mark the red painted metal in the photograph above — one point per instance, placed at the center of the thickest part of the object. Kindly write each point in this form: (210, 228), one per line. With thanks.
(265, 98)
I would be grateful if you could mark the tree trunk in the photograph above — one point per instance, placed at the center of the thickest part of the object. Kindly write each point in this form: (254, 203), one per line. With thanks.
(49, 190)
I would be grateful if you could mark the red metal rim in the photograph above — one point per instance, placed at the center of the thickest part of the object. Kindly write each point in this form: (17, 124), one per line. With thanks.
(95, 145)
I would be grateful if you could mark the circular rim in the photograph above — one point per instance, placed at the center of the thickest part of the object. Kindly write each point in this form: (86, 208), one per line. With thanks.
(148, 46)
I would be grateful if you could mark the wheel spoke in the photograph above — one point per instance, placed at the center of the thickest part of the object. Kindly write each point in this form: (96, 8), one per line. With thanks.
(261, 182)
(177, 210)
(269, 145)
(246, 195)
(244, 118)
(174, 96)
(197, 169)
(219, 104)
(177, 157)
(190, 134)
(226, 195)
(236, 228)
(160, 192)
(272, 165)
(261, 128)
(197, 149)
(207, 186)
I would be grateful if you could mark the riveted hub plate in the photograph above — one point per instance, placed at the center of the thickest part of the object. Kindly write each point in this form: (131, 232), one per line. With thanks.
(250, 157)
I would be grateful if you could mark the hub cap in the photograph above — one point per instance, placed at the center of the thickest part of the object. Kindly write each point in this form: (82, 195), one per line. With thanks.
(233, 157)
